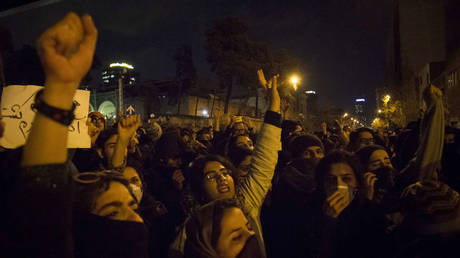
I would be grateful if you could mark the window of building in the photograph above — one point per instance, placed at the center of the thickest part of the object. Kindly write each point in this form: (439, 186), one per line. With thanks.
(452, 79)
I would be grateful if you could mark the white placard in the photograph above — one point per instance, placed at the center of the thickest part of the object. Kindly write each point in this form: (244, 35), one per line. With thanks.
(17, 113)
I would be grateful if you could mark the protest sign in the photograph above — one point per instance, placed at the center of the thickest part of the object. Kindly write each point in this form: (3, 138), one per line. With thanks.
(18, 115)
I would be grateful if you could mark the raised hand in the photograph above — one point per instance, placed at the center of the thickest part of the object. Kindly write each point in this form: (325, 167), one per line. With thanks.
(66, 52)
(127, 127)
(261, 76)
(324, 128)
(335, 204)
(272, 87)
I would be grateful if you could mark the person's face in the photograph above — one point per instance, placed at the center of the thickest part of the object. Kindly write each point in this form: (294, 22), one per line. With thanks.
(218, 182)
(132, 176)
(135, 182)
(99, 122)
(365, 139)
(244, 166)
(117, 204)
(313, 152)
(109, 147)
(235, 231)
(239, 129)
(244, 142)
(378, 159)
(340, 174)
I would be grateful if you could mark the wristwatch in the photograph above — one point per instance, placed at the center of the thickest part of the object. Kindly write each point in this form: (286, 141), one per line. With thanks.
(61, 116)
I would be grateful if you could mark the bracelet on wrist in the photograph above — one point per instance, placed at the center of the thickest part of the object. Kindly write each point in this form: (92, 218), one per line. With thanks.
(64, 117)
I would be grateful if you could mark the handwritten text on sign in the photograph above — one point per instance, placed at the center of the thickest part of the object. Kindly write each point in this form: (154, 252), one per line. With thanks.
(17, 113)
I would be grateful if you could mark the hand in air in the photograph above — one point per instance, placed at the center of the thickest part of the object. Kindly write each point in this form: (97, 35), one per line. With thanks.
(272, 87)
(66, 51)
(127, 126)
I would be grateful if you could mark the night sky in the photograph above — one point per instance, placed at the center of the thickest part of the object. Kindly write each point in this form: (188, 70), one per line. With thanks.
(340, 43)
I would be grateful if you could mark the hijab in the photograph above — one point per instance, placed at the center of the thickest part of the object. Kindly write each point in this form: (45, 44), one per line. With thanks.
(203, 230)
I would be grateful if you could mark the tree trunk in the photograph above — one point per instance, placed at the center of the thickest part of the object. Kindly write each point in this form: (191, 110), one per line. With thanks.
(196, 106)
(213, 101)
(229, 94)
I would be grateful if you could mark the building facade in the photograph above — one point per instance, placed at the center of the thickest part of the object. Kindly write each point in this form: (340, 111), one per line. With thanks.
(423, 49)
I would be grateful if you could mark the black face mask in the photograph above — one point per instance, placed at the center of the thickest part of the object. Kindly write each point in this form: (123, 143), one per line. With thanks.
(385, 176)
(96, 236)
(306, 166)
(251, 249)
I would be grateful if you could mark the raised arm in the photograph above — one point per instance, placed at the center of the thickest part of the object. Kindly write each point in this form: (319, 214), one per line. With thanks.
(127, 126)
(44, 189)
(66, 52)
(265, 155)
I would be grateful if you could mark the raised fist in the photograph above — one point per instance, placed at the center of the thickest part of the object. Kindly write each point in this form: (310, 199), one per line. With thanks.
(66, 52)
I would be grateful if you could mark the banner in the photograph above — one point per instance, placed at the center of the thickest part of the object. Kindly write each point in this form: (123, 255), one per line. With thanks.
(18, 116)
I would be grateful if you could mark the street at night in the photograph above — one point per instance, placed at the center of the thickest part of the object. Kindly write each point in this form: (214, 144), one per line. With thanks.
(224, 129)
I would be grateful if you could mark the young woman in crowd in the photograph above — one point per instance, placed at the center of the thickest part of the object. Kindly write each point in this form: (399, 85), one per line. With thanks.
(211, 176)
(221, 229)
(103, 202)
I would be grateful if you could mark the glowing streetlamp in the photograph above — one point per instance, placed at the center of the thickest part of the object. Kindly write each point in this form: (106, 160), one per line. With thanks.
(345, 115)
(379, 111)
(294, 81)
(386, 99)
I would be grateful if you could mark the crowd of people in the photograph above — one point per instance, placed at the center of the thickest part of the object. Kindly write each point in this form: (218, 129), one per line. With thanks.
(143, 190)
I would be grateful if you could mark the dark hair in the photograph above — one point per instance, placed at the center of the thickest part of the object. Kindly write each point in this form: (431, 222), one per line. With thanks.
(97, 183)
(196, 174)
(237, 155)
(219, 208)
(205, 226)
(324, 167)
(232, 141)
(354, 137)
(299, 143)
(364, 154)
(136, 165)
(105, 136)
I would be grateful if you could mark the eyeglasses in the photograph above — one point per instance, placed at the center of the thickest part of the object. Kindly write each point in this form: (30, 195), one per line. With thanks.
(366, 141)
(94, 177)
(213, 175)
(95, 119)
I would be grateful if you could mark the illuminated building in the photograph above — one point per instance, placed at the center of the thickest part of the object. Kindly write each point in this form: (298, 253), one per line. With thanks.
(111, 75)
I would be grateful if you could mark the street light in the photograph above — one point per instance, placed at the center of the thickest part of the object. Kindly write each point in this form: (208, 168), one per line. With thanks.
(345, 115)
(380, 111)
(294, 81)
(386, 99)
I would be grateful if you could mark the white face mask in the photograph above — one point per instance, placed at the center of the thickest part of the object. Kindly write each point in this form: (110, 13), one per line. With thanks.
(347, 192)
(137, 192)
